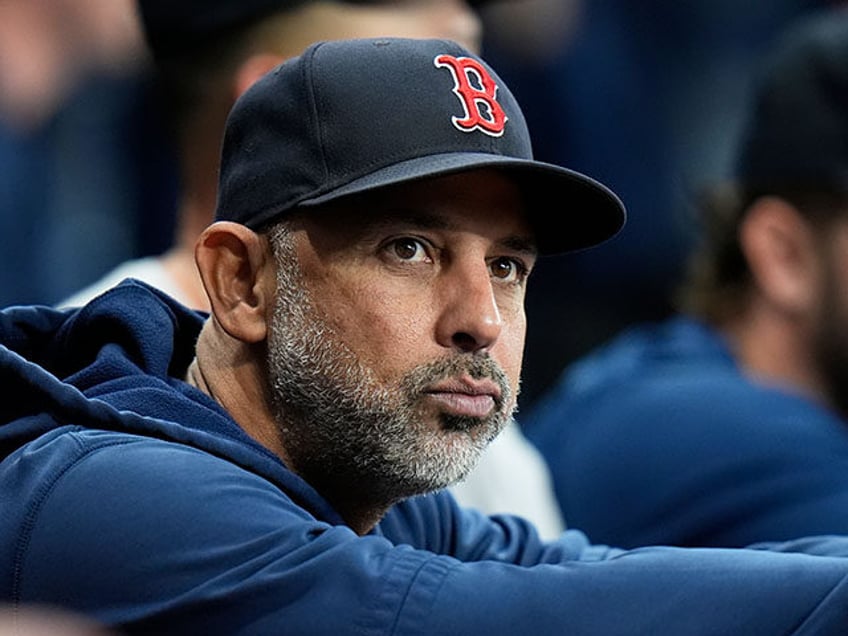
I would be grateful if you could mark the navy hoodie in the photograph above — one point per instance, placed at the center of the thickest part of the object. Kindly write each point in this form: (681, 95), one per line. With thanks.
(131, 497)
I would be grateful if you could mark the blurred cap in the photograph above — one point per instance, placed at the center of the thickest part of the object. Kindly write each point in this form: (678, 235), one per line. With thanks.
(175, 26)
(797, 131)
(351, 116)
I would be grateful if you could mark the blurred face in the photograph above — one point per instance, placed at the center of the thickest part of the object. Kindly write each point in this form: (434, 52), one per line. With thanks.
(451, 19)
(395, 350)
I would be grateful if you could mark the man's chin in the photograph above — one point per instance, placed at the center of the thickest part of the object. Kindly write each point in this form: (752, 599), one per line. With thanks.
(463, 424)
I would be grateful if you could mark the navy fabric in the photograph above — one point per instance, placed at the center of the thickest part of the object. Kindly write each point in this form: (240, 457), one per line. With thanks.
(659, 438)
(133, 498)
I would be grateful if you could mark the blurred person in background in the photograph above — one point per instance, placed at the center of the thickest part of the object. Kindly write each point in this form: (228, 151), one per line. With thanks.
(725, 424)
(49, 46)
(206, 54)
(80, 148)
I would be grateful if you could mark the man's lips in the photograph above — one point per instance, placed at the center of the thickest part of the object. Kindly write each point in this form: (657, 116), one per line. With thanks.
(466, 396)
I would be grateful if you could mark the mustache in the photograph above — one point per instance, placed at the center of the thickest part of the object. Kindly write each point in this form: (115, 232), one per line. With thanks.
(477, 367)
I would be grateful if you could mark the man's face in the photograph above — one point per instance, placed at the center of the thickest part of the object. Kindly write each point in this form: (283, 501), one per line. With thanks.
(395, 352)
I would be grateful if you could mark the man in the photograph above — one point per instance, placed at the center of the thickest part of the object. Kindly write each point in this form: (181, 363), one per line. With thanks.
(378, 216)
(726, 425)
(208, 53)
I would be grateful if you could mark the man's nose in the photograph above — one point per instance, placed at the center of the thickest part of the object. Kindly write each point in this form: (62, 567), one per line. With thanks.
(470, 319)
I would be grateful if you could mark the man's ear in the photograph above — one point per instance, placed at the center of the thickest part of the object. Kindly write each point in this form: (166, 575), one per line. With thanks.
(252, 69)
(782, 252)
(238, 274)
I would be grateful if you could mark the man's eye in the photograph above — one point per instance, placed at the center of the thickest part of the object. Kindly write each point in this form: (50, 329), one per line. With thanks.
(409, 249)
(508, 269)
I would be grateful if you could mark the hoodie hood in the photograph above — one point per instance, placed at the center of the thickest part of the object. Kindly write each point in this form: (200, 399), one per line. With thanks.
(60, 367)
(118, 364)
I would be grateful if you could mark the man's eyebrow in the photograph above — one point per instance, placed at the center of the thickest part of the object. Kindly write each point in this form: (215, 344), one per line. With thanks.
(433, 221)
(418, 218)
(524, 244)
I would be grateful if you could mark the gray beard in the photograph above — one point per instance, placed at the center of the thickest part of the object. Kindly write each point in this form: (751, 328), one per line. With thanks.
(348, 434)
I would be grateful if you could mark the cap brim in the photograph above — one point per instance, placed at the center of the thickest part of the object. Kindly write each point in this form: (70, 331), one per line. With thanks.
(568, 210)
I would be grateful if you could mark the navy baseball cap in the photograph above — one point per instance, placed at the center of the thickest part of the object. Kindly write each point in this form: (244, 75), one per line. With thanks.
(351, 116)
(175, 26)
(797, 131)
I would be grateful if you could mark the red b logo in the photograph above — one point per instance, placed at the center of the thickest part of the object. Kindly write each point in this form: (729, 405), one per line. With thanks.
(482, 111)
